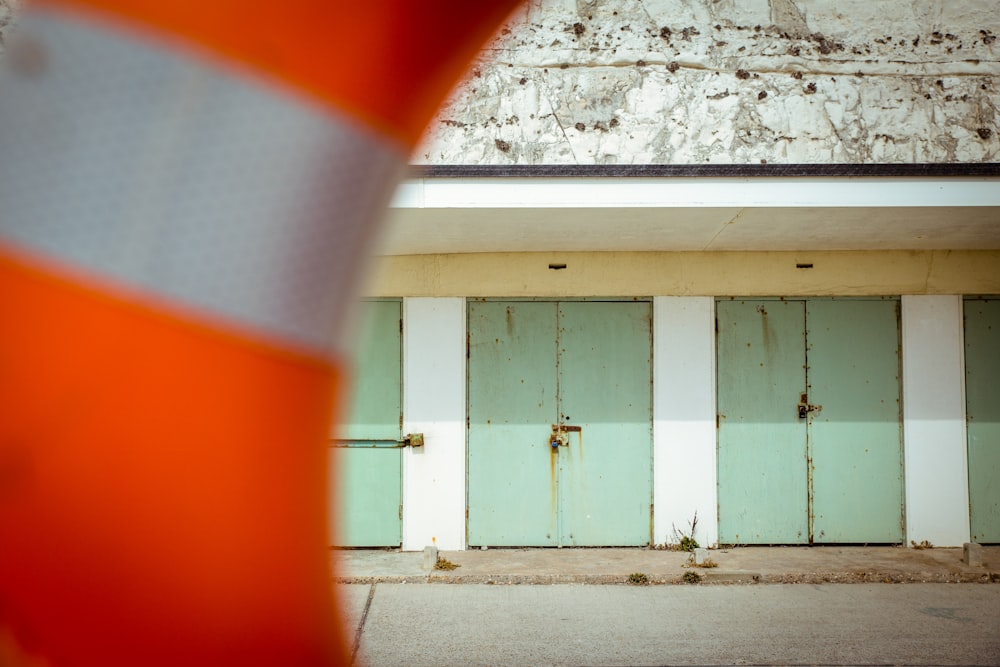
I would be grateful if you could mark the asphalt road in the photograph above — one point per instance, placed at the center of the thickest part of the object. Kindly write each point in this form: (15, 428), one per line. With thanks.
(800, 624)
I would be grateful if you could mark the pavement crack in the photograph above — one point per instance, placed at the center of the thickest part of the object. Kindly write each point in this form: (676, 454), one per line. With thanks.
(361, 625)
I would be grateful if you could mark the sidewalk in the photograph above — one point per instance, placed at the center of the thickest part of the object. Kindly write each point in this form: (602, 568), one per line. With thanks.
(821, 564)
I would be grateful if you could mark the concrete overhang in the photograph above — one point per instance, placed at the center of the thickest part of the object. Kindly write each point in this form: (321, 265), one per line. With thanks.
(512, 213)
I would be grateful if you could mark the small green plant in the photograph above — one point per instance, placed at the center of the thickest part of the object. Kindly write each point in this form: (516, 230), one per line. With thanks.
(445, 564)
(708, 562)
(688, 543)
(691, 577)
(924, 544)
(638, 579)
(685, 541)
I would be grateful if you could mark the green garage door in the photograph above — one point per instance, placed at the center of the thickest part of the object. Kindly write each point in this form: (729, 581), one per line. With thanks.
(809, 421)
(366, 492)
(982, 370)
(559, 423)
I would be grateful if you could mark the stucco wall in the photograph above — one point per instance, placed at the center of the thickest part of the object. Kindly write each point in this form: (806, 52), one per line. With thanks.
(688, 273)
(730, 81)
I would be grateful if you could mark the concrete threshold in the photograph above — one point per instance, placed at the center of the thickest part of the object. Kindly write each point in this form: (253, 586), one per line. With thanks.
(641, 566)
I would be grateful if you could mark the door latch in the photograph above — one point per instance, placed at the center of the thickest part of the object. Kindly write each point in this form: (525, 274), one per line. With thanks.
(558, 437)
(805, 408)
(559, 431)
(413, 440)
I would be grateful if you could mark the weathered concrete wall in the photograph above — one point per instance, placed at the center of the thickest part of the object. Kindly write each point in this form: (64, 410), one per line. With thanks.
(731, 81)
(7, 8)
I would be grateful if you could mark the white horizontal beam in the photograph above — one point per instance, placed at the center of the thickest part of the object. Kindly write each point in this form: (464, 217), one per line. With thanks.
(542, 192)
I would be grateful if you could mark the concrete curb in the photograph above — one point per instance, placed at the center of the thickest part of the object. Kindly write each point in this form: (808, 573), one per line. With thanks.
(708, 578)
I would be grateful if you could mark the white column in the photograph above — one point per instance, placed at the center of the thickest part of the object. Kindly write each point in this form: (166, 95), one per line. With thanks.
(934, 438)
(684, 433)
(434, 404)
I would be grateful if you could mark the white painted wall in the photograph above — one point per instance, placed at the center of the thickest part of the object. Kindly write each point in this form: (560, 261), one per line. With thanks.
(936, 466)
(684, 437)
(434, 404)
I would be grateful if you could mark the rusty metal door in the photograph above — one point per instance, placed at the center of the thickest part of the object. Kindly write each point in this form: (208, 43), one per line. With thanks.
(854, 432)
(763, 485)
(809, 421)
(982, 368)
(559, 423)
(512, 499)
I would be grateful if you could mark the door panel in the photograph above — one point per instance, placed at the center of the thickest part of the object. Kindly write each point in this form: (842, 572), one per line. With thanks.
(604, 388)
(854, 438)
(809, 421)
(368, 496)
(374, 408)
(982, 368)
(762, 442)
(584, 369)
(512, 491)
(366, 491)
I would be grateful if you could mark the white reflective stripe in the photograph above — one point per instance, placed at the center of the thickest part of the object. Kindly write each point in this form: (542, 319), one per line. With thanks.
(185, 180)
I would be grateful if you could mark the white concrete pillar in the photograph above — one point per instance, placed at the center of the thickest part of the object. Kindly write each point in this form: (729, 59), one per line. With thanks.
(684, 433)
(934, 437)
(434, 404)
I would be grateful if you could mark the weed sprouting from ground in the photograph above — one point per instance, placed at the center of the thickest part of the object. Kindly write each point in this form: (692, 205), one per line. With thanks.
(445, 564)
(684, 541)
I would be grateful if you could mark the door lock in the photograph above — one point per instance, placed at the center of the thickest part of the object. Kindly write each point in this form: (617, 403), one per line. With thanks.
(558, 437)
(558, 440)
(805, 408)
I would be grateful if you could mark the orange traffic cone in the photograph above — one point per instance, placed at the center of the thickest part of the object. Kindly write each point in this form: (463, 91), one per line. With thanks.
(188, 190)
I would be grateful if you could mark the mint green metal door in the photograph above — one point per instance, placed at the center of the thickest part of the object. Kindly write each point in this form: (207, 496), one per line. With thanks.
(982, 368)
(604, 391)
(559, 423)
(366, 491)
(512, 495)
(854, 438)
(763, 483)
(809, 421)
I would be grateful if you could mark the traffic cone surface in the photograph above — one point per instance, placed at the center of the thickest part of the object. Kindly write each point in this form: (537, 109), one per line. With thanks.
(188, 193)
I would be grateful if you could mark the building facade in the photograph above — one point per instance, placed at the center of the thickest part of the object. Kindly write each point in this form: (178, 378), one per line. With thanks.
(673, 258)
(667, 259)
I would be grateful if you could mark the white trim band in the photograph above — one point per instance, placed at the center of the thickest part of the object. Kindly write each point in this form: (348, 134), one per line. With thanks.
(671, 192)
